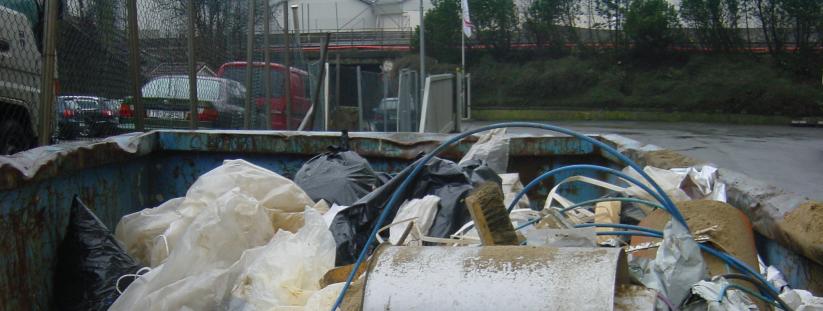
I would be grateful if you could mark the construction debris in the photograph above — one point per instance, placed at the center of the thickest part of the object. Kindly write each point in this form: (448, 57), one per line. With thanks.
(490, 216)
(246, 238)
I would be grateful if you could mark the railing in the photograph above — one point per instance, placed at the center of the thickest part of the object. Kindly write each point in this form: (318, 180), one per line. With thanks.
(374, 38)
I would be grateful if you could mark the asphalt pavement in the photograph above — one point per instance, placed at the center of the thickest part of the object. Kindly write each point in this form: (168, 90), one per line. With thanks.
(788, 157)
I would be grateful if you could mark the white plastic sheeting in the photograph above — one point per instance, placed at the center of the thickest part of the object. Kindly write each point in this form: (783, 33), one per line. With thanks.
(222, 248)
(493, 148)
(287, 271)
(802, 300)
(677, 266)
(421, 210)
(681, 184)
(732, 299)
(152, 234)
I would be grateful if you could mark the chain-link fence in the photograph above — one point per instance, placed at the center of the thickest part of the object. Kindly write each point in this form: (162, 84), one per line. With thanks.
(239, 52)
(134, 65)
(20, 74)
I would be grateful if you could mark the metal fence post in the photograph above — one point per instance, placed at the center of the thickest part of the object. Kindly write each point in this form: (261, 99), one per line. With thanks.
(360, 121)
(247, 124)
(49, 65)
(385, 110)
(422, 42)
(267, 60)
(134, 66)
(337, 81)
(468, 96)
(287, 63)
(315, 105)
(326, 99)
(192, 69)
(457, 95)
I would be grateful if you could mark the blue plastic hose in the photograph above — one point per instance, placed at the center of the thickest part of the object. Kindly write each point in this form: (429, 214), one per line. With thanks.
(402, 188)
(631, 200)
(748, 291)
(629, 233)
(619, 226)
(671, 208)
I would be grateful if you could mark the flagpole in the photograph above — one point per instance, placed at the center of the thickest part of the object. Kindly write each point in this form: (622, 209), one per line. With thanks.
(462, 39)
(462, 50)
(422, 28)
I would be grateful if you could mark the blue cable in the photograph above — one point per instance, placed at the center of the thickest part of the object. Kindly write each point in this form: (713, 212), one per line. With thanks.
(630, 200)
(619, 226)
(531, 221)
(671, 208)
(629, 233)
(419, 166)
(737, 264)
(748, 291)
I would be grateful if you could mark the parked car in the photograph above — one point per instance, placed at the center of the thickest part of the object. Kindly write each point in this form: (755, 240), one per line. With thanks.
(384, 116)
(300, 97)
(20, 67)
(167, 104)
(85, 116)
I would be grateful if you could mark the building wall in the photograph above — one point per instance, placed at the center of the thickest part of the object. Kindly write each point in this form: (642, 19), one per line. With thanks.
(318, 15)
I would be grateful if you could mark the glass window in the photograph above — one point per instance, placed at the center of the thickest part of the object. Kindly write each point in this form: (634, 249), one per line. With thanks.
(238, 73)
(178, 88)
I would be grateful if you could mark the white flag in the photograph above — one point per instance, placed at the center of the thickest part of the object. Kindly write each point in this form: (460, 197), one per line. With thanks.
(467, 23)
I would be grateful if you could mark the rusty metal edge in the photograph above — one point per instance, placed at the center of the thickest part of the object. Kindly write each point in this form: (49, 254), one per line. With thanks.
(46, 162)
(764, 204)
(49, 161)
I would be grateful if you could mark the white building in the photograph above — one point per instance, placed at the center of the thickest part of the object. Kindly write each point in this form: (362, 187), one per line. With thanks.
(332, 15)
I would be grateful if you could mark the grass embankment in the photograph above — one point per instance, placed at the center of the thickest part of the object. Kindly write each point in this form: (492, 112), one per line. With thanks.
(732, 89)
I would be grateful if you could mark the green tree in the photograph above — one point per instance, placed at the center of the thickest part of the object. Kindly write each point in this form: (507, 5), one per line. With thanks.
(613, 13)
(804, 16)
(495, 23)
(714, 22)
(550, 23)
(220, 26)
(773, 22)
(651, 24)
(443, 28)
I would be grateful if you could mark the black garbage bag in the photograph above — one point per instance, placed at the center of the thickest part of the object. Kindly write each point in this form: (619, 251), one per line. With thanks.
(336, 176)
(480, 172)
(89, 262)
(445, 179)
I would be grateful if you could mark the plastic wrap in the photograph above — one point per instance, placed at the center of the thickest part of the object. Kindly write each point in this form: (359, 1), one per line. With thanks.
(152, 234)
(89, 263)
(491, 148)
(421, 210)
(677, 266)
(340, 177)
(442, 178)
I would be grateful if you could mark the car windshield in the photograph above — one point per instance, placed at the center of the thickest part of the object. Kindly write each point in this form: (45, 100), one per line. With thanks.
(83, 104)
(239, 74)
(112, 105)
(388, 104)
(178, 88)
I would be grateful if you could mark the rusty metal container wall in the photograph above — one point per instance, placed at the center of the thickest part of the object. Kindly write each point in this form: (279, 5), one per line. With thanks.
(127, 173)
(493, 278)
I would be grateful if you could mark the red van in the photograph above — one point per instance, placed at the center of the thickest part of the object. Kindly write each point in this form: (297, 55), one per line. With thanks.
(300, 98)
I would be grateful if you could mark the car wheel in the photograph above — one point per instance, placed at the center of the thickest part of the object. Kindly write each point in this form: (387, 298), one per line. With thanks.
(13, 137)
